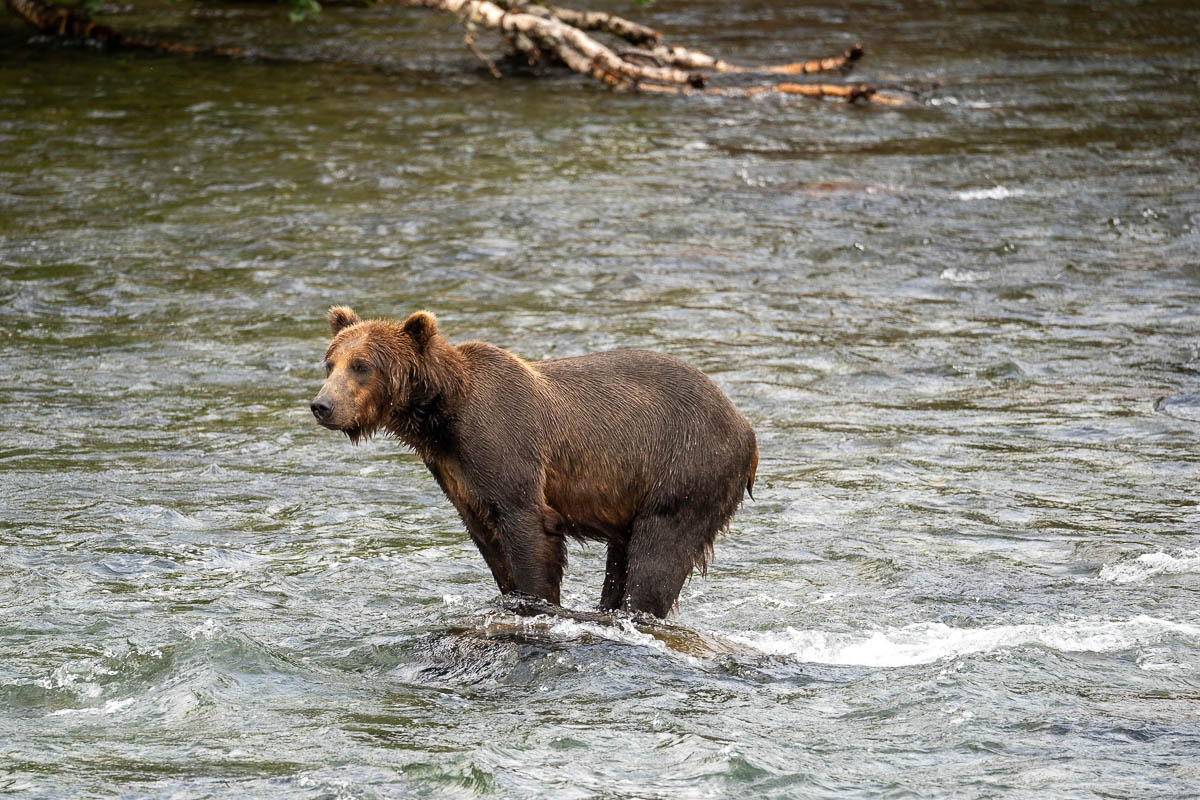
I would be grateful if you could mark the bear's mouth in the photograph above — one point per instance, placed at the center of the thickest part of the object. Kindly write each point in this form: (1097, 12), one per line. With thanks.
(355, 432)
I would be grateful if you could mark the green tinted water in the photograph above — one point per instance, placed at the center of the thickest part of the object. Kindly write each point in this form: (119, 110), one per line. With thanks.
(966, 333)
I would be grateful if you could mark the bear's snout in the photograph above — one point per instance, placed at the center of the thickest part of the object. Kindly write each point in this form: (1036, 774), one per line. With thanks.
(322, 409)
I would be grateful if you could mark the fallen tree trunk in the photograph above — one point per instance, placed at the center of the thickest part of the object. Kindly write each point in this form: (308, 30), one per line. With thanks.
(71, 24)
(662, 54)
(541, 35)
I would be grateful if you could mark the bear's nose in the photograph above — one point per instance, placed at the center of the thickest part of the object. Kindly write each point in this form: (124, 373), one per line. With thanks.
(322, 407)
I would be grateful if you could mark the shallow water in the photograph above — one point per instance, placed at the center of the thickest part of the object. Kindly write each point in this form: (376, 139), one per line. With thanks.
(965, 332)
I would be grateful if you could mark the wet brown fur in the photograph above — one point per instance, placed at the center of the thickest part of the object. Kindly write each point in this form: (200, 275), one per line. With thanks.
(629, 447)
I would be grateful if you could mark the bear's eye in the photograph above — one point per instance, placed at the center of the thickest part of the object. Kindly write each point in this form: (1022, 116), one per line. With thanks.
(361, 367)
(328, 365)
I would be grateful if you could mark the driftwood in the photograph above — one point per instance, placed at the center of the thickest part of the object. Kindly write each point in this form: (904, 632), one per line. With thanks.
(541, 35)
(74, 25)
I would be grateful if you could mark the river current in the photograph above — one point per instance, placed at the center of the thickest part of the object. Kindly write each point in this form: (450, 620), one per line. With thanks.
(965, 331)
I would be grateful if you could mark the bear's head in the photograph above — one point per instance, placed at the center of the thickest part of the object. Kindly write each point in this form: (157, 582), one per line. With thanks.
(373, 370)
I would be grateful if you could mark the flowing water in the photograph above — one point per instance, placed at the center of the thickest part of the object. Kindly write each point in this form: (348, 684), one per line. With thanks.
(965, 332)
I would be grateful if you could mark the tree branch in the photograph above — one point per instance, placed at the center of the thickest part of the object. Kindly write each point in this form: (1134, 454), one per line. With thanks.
(66, 23)
(539, 33)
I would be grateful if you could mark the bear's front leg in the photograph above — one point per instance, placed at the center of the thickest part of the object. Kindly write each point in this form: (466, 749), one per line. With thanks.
(536, 551)
(450, 477)
(490, 547)
(520, 536)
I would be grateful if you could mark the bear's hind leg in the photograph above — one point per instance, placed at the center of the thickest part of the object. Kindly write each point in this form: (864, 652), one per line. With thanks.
(615, 575)
(556, 564)
(664, 548)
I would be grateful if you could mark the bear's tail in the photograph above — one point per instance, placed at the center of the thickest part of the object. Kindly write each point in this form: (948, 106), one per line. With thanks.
(753, 470)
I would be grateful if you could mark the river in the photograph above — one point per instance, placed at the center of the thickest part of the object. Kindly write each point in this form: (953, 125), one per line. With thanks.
(965, 331)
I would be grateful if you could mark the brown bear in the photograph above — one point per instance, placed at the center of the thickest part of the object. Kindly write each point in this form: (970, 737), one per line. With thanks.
(629, 447)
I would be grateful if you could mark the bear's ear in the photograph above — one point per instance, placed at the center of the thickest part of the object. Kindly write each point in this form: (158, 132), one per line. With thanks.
(342, 317)
(421, 327)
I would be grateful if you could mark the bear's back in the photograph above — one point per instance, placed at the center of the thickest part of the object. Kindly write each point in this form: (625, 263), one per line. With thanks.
(638, 399)
(633, 377)
(641, 427)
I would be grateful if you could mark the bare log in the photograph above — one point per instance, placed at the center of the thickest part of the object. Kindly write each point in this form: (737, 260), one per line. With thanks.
(665, 55)
(841, 63)
(631, 32)
(885, 96)
(62, 22)
(66, 23)
(469, 40)
(542, 34)
(694, 59)
(573, 47)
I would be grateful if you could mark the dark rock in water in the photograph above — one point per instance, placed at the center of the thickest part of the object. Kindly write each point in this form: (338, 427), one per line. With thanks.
(526, 612)
(524, 606)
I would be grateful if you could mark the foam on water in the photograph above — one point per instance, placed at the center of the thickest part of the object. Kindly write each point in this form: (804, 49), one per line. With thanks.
(109, 707)
(559, 629)
(994, 193)
(955, 275)
(1149, 565)
(919, 643)
(928, 642)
